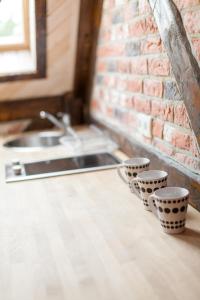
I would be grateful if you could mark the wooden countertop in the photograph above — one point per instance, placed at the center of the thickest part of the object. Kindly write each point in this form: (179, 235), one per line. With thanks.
(83, 237)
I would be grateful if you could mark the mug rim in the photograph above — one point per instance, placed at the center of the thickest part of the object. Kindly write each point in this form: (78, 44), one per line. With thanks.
(130, 161)
(172, 197)
(139, 176)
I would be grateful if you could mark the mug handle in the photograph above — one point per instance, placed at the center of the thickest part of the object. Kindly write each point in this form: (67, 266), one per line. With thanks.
(151, 204)
(134, 180)
(119, 171)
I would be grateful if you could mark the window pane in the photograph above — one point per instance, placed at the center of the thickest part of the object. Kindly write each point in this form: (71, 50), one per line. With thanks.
(11, 22)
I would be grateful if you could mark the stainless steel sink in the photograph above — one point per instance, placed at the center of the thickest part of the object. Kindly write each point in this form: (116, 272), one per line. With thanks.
(35, 141)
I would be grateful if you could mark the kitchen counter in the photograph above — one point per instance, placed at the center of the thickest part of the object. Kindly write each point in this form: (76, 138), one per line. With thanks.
(87, 237)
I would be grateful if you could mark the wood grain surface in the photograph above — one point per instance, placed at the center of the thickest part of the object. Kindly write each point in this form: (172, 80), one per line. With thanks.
(86, 236)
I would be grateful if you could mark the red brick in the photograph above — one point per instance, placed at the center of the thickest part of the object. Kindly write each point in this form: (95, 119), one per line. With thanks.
(165, 148)
(127, 101)
(137, 28)
(188, 161)
(151, 26)
(162, 110)
(178, 138)
(159, 66)
(157, 128)
(105, 35)
(95, 105)
(109, 81)
(153, 88)
(121, 56)
(101, 51)
(194, 148)
(106, 21)
(143, 26)
(196, 46)
(123, 66)
(135, 85)
(102, 93)
(181, 140)
(191, 21)
(109, 111)
(151, 45)
(139, 65)
(181, 116)
(142, 105)
(186, 3)
(111, 50)
(156, 108)
(168, 114)
(101, 66)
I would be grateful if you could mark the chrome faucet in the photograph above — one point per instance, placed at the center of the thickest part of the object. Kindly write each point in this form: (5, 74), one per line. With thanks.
(64, 124)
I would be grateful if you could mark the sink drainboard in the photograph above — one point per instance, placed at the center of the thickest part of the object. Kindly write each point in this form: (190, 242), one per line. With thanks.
(63, 166)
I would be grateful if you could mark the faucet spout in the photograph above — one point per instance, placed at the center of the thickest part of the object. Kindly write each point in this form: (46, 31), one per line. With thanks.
(52, 119)
(63, 125)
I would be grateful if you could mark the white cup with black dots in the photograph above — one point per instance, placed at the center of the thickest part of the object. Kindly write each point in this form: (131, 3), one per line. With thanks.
(149, 182)
(130, 168)
(170, 206)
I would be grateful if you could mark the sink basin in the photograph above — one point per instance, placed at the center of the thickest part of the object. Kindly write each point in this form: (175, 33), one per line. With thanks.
(90, 140)
(35, 141)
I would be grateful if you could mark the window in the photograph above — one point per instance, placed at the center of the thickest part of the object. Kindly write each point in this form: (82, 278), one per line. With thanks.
(14, 25)
(22, 39)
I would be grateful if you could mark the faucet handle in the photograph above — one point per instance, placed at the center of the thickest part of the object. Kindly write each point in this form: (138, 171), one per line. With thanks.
(59, 114)
(65, 118)
(42, 114)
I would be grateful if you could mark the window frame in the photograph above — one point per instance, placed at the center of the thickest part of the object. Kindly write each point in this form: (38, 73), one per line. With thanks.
(41, 46)
(26, 44)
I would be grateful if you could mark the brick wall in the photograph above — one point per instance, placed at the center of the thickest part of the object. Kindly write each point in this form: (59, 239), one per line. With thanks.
(134, 88)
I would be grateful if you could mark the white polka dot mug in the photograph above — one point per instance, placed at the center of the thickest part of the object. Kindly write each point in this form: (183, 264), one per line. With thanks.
(131, 169)
(170, 206)
(149, 182)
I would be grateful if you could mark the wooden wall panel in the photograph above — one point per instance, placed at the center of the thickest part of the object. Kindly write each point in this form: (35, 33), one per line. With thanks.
(30, 109)
(89, 25)
(62, 28)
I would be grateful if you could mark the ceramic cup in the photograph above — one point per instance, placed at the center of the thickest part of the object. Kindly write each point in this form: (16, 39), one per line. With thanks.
(170, 207)
(131, 168)
(149, 182)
